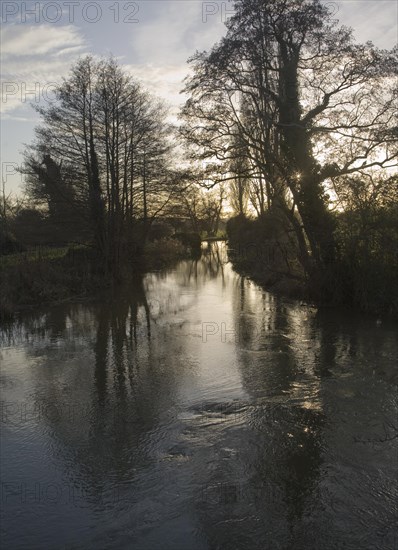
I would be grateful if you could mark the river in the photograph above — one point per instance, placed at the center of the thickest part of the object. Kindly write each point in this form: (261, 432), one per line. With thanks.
(196, 411)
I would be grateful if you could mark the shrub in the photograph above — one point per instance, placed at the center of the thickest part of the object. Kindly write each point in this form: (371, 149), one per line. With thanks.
(189, 239)
(160, 230)
(262, 243)
(10, 245)
(162, 253)
(366, 274)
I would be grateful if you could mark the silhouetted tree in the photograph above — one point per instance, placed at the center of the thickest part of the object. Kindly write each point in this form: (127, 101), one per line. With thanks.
(240, 170)
(308, 103)
(106, 149)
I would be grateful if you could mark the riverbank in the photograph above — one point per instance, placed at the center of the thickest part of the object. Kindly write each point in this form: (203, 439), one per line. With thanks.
(45, 276)
(270, 277)
(363, 276)
(261, 250)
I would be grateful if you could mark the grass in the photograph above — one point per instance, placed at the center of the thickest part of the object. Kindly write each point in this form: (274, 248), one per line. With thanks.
(44, 275)
(36, 254)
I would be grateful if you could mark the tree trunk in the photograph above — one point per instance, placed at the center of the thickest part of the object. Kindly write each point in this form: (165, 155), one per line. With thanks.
(304, 183)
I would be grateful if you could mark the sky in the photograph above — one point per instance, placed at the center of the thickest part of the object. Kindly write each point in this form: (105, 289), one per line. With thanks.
(40, 40)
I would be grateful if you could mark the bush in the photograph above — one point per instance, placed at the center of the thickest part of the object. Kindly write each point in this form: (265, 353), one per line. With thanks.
(263, 249)
(10, 245)
(43, 276)
(189, 239)
(261, 243)
(160, 230)
(366, 275)
(162, 253)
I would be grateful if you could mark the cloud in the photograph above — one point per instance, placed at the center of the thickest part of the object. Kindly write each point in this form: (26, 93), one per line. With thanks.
(34, 59)
(169, 33)
(173, 32)
(39, 40)
(375, 21)
(165, 81)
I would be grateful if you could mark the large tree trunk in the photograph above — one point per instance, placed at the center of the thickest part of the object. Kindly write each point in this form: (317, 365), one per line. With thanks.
(303, 179)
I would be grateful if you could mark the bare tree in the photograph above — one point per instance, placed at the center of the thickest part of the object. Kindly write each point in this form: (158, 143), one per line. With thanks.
(308, 103)
(106, 150)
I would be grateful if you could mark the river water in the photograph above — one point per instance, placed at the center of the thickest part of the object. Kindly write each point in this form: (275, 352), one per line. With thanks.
(196, 411)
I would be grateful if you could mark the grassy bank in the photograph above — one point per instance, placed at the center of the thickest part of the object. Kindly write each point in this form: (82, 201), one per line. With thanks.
(51, 275)
(45, 275)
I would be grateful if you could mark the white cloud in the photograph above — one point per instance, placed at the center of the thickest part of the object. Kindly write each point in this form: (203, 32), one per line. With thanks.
(375, 21)
(34, 59)
(38, 40)
(163, 42)
(174, 32)
(164, 81)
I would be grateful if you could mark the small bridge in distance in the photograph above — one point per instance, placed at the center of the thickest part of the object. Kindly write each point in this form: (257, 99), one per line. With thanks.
(214, 239)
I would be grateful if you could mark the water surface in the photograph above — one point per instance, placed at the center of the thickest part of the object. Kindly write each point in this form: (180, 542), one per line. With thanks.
(195, 411)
